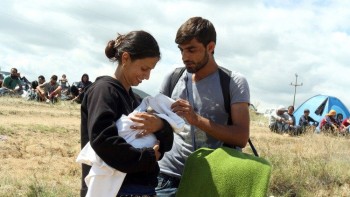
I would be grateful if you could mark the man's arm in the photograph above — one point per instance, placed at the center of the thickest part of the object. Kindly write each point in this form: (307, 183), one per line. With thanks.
(19, 84)
(236, 134)
(4, 83)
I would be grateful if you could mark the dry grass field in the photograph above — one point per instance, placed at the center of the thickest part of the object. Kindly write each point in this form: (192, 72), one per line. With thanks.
(39, 143)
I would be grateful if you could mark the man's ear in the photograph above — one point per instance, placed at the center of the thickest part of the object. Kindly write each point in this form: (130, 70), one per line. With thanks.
(211, 47)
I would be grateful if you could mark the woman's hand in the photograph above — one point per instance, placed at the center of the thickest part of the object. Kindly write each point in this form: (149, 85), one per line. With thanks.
(156, 150)
(149, 123)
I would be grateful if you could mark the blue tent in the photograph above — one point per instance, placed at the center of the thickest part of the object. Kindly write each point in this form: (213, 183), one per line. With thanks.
(319, 106)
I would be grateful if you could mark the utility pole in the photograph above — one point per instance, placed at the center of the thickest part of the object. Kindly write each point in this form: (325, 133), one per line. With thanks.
(295, 86)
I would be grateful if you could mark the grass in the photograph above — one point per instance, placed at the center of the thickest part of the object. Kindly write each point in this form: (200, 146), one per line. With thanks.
(39, 143)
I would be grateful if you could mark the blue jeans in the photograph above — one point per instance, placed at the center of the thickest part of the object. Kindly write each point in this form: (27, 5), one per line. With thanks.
(167, 186)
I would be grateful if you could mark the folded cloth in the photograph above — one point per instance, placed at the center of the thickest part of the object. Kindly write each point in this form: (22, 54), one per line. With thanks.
(161, 104)
(224, 172)
(106, 181)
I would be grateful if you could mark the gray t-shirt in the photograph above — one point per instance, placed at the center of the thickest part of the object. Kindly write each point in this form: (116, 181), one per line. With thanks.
(209, 104)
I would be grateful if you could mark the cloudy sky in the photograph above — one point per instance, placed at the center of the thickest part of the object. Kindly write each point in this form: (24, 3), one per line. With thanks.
(268, 41)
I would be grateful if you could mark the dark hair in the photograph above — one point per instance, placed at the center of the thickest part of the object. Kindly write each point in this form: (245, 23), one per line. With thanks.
(54, 77)
(41, 77)
(34, 84)
(340, 114)
(85, 75)
(291, 106)
(139, 45)
(196, 27)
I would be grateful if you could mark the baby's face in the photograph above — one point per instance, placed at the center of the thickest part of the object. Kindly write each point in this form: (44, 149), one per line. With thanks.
(150, 110)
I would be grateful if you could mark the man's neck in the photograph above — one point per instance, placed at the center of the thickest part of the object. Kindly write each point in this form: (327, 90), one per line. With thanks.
(207, 70)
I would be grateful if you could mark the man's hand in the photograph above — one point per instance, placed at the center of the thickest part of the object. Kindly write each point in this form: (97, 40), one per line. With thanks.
(183, 109)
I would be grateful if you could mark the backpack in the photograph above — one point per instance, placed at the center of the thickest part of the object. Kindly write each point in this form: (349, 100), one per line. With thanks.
(225, 78)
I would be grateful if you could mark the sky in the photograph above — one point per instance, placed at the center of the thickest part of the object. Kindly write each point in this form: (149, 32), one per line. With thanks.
(275, 44)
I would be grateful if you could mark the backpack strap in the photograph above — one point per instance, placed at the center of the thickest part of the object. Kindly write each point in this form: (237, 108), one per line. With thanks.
(174, 78)
(225, 78)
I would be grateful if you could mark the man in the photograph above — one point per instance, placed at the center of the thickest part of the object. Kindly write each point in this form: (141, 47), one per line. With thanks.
(199, 100)
(41, 79)
(49, 91)
(278, 121)
(33, 92)
(12, 84)
(307, 121)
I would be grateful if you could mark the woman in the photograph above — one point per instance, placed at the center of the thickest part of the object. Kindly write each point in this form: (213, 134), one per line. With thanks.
(108, 98)
(78, 91)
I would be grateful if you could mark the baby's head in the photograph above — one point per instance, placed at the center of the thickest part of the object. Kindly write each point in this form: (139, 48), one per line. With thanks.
(150, 110)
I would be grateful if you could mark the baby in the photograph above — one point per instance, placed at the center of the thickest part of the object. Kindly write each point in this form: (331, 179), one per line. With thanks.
(104, 180)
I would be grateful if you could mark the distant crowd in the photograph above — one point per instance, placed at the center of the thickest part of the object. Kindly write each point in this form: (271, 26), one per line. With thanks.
(42, 90)
(283, 121)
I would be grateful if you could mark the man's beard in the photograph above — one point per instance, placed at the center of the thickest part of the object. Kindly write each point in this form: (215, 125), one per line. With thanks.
(200, 64)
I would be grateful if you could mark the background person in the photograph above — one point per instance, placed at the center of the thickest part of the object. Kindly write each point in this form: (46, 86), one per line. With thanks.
(329, 122)
(64, 84)
(33, 92)
(307, 121)
(293, 128)
(49, 91)
(346, 125)
(12, 84)
(278, 121)
(110, 97)
(78, 91)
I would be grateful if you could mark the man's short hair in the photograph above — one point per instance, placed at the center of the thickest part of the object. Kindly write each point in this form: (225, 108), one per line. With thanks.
(306, 110)
(54, 77)
(41, 77)
(196, 27)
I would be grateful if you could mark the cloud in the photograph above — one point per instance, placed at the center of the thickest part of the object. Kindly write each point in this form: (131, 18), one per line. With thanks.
(267, 41)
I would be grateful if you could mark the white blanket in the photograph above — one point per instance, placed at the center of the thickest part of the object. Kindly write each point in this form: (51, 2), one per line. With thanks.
(104, 180)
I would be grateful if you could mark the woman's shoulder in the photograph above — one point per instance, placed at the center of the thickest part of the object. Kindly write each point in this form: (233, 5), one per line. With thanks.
(105, 83)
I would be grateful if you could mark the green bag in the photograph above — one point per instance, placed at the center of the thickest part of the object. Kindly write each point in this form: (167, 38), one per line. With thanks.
(224, 172)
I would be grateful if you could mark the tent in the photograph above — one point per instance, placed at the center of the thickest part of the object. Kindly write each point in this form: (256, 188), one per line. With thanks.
(319, 106)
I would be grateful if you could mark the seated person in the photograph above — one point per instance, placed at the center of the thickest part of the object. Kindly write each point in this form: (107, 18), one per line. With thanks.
(33, 92)
(49, 91)
(329, 122)
(78, 91)
(12, 84)
(64, 84)
(339, 120)
(292, 127)
(346, 125)
(101, 176)
(278, 120)
(306, 121)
